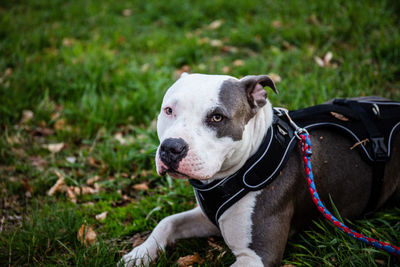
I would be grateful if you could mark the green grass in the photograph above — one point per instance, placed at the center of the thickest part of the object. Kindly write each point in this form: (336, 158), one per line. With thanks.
(89, 70)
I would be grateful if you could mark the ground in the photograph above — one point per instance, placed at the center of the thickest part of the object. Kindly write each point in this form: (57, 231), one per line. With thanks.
(80, 86)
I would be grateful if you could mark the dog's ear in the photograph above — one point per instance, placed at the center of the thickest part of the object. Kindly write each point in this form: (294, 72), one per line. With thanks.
(254, 86)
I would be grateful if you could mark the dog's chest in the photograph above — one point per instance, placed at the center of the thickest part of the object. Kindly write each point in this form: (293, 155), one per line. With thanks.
(236, 227)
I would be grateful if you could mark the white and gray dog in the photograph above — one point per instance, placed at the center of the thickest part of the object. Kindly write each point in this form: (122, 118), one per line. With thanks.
(209, 125)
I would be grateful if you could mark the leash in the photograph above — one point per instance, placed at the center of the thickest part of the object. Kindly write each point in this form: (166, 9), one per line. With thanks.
(304, 138)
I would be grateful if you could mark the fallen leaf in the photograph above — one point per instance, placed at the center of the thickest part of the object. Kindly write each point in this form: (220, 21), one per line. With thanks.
(313, 19)
(276, 24)
(124, 140)
(326, 60)
(37, 161)
(54, 148)
(71, 159)
(226, 69)
(214, 245)
(328, 57)
(145, 67)
(275, 77)
(230, 49)
(184, 68)
(137, 240)
(319, 61)
(238, 62)
(70, 194)
(339, 116)
(189, 260)
(145, 173)
(216, 43)
(102, 216)
(68, 41)
(92, 180)
(27, 187)
(127, 12)
(27, 115)
(84, 190)
(86, 235)
(381, 262)
(215, 24)
(141, 187)
(60, 124)
(58, 185)
(42, 131)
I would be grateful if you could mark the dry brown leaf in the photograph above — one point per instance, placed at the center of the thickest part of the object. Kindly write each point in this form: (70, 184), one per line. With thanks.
(145, 173)
(86, 235)
(339, 116)
(226, 69)
(37, 161)
(58, 186)
(137, 240)
(127, 12)
(92, 180)
(83, 190)
(141, 187)
(184, 68)
(275, 77)
(70, 194)
(68, 41)
(238, 63)
(102, 216)
(27, 187)
(60, 124)
(55, 148)
(189, 260)
(230, 49)
(276, 24)
(214, 245)
(27, 115)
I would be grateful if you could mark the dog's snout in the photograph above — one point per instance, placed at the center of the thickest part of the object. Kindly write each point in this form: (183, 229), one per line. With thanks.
(172, 150)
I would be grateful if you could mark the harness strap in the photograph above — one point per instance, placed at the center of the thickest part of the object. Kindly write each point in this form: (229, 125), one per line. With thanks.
(379, 150)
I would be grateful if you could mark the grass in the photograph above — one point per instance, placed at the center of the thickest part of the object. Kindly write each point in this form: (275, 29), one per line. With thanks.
(93, 73)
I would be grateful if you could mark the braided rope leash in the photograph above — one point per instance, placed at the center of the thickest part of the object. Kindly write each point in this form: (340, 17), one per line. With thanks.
(305, 143)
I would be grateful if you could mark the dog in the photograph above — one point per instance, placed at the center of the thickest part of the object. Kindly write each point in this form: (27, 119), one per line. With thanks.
(209, 125)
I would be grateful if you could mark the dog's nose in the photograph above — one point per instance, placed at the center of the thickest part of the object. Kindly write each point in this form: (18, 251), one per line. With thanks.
(172, 150)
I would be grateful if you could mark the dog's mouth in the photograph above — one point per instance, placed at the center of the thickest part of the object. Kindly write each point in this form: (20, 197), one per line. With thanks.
(174, 173)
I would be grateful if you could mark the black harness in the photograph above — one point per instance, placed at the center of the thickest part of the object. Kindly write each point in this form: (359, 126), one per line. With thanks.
(370, 123)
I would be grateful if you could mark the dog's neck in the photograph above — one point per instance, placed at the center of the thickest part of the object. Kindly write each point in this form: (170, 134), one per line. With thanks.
(253, 135)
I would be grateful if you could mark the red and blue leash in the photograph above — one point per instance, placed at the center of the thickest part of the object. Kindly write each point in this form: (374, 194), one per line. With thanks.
(305, 142)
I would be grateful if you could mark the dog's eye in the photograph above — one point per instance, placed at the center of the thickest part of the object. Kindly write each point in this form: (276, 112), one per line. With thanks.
(217, 118)
(168, 110)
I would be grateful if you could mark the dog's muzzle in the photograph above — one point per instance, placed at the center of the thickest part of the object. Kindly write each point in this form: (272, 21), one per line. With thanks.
(172, 151)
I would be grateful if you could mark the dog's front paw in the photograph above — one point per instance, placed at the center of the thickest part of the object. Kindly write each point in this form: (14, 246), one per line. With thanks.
(139, 256)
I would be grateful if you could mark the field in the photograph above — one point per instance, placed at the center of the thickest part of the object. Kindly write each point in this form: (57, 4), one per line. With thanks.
(81, 83)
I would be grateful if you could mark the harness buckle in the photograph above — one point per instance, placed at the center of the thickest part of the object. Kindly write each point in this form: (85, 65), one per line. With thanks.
(297, 130)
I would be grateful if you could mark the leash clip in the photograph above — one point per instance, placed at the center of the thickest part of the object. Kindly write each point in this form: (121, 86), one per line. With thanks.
(297, 130)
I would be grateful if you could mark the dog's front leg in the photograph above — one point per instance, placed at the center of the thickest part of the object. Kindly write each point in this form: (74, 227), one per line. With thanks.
(187, 224)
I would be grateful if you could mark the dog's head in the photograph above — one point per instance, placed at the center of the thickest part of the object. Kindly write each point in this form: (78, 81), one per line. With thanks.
(202, 121)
